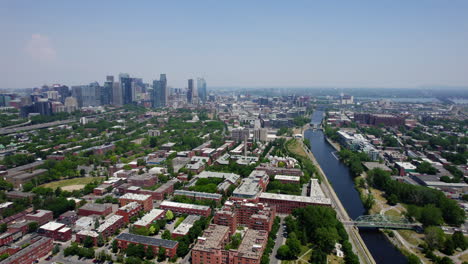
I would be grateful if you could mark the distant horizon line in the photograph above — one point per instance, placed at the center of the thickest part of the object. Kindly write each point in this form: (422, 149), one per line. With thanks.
(295, 87)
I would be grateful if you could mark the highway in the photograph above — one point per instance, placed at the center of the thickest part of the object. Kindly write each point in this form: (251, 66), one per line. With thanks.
(355, 238)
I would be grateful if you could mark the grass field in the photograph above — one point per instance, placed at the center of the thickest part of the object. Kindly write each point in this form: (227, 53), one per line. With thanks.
(295, 147)
(69, 182)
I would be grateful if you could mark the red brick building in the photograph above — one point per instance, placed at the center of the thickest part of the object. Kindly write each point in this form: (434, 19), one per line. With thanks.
(129, 210)
(144, 180)
(40, 216)
(124, 239)
(285, 204)
(81, 236)
(288, 179)
(101, 189)
(109, 227)
(95, 209)
(55, 230)
(210, 247)
(10, 237)
(199, 195)
(256, 216)
(38, 248)
(144, 199)
(149, 218)
(183, 208)
(271, 170)
(165, 189)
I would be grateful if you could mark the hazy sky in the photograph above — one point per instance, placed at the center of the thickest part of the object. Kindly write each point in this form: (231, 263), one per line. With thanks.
(385, 43)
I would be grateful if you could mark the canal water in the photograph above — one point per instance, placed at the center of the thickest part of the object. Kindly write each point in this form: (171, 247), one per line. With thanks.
(342, 181)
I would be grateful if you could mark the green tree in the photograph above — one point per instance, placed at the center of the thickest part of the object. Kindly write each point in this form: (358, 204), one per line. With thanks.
(459, 240)
(426, 168)
(283, 252)
(413, 259)
(149, 254)
(166, 234)
(88, 242)
(161, 254)
(169, 215)
(32, 227)
(294, 244)
(431, 215)
(56, 249)
(3, 228)
(115, 247)
(435, 237)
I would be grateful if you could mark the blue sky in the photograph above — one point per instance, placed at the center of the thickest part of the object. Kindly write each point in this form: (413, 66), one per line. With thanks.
(236, 43)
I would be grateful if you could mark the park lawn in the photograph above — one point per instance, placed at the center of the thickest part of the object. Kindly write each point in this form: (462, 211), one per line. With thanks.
(393, 212)
(295, 147)
(411, 236)
(464, 257)
(68, 182)
(304, 255)
(333, 259)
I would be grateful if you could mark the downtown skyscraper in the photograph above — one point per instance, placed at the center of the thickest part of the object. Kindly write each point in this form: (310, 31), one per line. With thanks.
(201, 88)
(190, 91)
(160, 93)
(126, 88)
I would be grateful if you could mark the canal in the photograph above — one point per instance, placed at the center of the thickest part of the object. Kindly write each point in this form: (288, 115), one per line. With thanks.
(342, 181)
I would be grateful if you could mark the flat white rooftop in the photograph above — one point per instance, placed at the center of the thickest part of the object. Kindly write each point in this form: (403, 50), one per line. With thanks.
(184, 205)
(149, 217)
(52, 226)
(135, 196)
(296, 198)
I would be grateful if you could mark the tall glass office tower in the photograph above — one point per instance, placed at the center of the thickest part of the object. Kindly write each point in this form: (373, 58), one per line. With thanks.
(201, 87)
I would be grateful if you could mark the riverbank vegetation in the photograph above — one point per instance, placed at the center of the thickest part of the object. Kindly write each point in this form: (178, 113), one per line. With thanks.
(353, 160)
(318, 228)
(429, 206)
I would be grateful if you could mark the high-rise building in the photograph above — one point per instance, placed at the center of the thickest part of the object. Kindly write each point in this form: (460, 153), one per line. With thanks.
(190, 91)
(77, 93)
(107, 93)
(116, 94)
(201, 87)
(126, 87)
(62, 91)
(91, 94)
(159, 95)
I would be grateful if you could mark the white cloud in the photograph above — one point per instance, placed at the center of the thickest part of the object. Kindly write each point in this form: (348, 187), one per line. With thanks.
(40, 48)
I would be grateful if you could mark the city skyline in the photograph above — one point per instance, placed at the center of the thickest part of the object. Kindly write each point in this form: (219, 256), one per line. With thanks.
(314, 44)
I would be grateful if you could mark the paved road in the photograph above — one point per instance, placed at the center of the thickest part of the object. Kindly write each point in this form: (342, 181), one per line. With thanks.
(280, 240)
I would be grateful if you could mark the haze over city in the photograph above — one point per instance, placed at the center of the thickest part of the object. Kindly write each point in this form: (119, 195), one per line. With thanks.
(236, 43)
